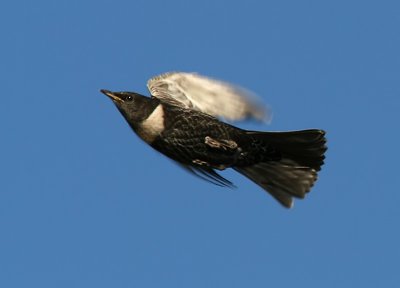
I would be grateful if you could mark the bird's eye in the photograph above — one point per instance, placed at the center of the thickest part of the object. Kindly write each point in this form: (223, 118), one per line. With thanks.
(129, 98)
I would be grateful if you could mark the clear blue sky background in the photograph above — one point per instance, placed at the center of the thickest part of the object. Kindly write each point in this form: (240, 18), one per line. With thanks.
(84, 203)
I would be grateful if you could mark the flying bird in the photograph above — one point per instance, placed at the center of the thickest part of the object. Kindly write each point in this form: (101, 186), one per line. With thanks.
(183, 120)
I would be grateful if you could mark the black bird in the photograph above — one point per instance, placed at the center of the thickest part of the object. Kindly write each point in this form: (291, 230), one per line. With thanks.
(179, 120)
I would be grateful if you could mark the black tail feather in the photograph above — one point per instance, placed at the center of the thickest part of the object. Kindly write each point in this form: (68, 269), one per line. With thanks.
(302, 155)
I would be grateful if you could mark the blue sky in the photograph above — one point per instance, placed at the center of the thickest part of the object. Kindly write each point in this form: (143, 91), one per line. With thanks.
(84, 203)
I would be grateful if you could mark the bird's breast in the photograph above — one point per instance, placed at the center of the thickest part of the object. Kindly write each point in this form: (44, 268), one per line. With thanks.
(152, 126)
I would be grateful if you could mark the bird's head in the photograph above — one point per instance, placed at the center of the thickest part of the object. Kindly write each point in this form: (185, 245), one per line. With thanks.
(133, 106)
(121, 98)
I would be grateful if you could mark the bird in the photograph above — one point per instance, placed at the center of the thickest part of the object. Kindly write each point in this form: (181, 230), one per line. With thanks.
(186, 119)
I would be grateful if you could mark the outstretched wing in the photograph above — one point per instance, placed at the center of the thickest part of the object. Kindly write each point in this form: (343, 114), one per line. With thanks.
(214, 97)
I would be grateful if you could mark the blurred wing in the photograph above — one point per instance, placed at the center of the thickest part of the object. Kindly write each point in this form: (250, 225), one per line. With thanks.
(214, 97)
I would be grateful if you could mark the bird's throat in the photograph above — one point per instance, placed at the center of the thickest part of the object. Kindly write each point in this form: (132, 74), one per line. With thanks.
(151, 127)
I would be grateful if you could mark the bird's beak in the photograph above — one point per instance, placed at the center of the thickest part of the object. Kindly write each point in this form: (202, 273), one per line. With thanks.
(112, 95)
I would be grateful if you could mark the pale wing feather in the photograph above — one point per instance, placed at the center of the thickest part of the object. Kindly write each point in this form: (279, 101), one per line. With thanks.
(214, 97)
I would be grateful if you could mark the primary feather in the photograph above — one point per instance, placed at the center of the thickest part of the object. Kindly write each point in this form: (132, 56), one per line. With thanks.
(214, 97)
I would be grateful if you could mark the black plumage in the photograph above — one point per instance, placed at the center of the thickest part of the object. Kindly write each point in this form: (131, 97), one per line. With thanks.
(283, 163)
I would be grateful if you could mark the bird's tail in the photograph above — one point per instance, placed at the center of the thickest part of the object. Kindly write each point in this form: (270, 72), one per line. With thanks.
(294, 173)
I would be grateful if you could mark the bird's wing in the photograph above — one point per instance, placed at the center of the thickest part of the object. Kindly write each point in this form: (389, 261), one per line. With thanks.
(208, 174)
(214, 97)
